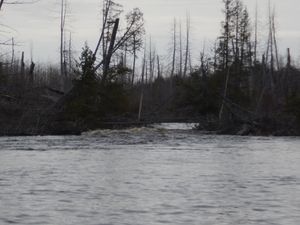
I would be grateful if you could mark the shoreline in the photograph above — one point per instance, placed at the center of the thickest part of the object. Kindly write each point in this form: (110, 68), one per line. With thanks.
(241, 130)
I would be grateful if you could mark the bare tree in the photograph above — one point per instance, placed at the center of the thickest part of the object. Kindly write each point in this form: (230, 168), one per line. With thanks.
(111, 38)
(180, 50)
(151, 61)
(63, 12)
(110, 50)
(158, 67)
(70, 54)
(144, 71)
(22, 72)
(272, 50)
(187, 47)
(12, 52)
(174, 49)
(255, 33)
(135, 43)
(275, 38)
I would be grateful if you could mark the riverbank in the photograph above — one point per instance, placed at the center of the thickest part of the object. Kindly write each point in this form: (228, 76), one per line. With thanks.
(29, 128)
(43, 111)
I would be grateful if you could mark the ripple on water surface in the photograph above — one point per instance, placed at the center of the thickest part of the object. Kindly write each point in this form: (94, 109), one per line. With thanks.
(155, 175)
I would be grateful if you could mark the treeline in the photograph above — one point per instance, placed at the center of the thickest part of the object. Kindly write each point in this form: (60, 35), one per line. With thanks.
(235, 89)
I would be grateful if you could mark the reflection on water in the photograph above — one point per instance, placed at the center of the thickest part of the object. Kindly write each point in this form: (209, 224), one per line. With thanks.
(149, 176)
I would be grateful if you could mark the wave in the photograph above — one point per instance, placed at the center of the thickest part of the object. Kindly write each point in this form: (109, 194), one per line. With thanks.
(154, 128)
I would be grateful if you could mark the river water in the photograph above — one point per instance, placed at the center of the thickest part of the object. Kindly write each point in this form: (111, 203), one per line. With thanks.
(150, 176)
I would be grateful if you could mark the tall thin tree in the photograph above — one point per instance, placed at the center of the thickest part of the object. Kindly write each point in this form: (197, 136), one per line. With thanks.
(187, 47)
(174, 49)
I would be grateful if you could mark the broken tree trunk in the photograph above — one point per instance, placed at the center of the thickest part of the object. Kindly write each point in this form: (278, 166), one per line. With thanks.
(109, 54)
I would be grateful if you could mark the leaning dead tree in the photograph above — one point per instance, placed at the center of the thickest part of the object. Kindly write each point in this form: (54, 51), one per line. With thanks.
(113, 38)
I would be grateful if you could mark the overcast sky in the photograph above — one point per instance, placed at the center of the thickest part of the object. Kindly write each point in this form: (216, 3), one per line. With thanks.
(39, 23)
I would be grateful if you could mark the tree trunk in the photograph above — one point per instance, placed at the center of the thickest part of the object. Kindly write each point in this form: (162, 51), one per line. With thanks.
(255, 35)
(187, 47)
(180, 51)
(224, 96)
(1, 3)
(107, 59)
(31, 72)
(134, 59)
(22, 66)
(174, 49)
(105, 16)
(12, 52)
(158, 67)
(275, 40)
(70, 54)
(144, 70)
(62, 30)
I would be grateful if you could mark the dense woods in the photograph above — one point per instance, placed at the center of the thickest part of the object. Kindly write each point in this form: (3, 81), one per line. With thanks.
(236, 88)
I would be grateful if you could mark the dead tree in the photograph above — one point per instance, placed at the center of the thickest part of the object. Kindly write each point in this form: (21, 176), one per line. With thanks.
(288, 64)
(275, 39)
(111, 38)
(255, 34)
(286, 78)
(12, 52)
(135, 43)
(271, 55)
(144, 71)
(31, 72)
(174, 49)
(203, 64)
(187, 47)
(158, 67)
(22, 72)
(107, 59)
(63, 13)
(151, 61)
(180, 50)
(70, 56)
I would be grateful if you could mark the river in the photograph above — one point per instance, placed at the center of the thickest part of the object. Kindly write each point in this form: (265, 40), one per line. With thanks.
(150, 176)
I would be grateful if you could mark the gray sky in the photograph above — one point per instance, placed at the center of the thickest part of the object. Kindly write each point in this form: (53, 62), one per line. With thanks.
(39, 23)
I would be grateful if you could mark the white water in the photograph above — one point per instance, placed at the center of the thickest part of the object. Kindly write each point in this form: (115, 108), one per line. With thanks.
(149, 176)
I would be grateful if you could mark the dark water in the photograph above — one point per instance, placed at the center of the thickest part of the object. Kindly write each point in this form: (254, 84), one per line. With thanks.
(149, 176)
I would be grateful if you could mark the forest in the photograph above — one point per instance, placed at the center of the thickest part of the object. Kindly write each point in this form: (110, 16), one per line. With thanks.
(236, 88)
